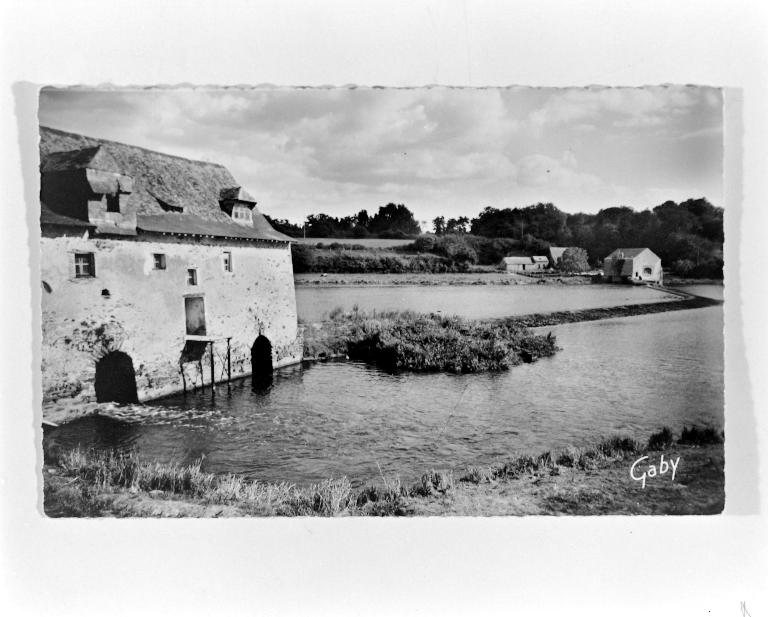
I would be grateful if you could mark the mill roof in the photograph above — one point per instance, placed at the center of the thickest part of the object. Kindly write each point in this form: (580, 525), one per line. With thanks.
(91, 157)
(158, 179)
(49, 217)
(193, 225)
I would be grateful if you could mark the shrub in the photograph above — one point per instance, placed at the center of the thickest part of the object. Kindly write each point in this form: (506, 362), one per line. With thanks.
(424, 244)
(479, 475)
(434, 483)
(331, 497)
(619, 447)
(427, 343)
(303, 258)
(696, 436)
(661, 440)
(574, 260)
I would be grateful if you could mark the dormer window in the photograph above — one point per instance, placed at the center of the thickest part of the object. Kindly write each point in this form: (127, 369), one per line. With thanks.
(242, 215)
(237, 203)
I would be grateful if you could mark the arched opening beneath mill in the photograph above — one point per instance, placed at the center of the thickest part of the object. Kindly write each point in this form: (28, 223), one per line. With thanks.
(116, 379)
(261, 361)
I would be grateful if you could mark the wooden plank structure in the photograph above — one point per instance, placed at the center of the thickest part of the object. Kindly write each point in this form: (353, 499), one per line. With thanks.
(209, 343)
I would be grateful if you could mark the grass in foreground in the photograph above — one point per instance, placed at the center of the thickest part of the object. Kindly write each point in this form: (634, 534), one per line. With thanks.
(575, 480)
(408, 341)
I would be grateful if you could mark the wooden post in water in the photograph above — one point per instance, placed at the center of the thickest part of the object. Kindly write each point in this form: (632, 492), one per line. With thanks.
(213, 376)
(229, 360)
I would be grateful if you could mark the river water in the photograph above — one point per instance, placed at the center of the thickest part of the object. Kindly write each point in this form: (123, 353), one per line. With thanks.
(474, 302)
(626, 375)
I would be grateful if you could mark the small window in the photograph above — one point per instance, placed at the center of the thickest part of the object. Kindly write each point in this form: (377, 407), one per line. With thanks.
(113, 203)
(227, 261)
(241, 214)
(192, 276)
(647, 271)
(84, 265)
(159, 259)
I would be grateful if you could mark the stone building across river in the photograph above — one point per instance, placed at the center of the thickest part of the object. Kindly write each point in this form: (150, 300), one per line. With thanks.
(158, 274)
(633, 265)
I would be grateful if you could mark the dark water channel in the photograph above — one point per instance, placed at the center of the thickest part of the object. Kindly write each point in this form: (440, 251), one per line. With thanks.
(629, 375)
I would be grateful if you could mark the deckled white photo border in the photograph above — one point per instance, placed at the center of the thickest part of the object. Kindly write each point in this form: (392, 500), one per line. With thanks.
(629, 565)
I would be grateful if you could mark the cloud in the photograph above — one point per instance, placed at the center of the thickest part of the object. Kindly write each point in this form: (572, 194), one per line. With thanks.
(538, 170)
(626, 107)
(439, 150)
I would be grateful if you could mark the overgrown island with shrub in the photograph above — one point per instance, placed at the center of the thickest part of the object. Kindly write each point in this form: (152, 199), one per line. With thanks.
(687, 236)
(576, 480)
(408, 341)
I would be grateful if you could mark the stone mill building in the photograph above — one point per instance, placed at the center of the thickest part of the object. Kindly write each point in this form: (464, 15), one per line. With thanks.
(158, 274)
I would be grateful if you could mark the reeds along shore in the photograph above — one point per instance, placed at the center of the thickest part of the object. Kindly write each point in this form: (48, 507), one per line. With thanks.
(91, 483)
(408, 341)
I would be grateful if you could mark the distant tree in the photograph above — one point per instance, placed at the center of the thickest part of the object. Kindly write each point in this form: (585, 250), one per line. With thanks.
(362, 218)
(322, 226)
(285, 227)
(392, 220)
(457, 226)
(495, 223)
(574, 260)
(438, 224)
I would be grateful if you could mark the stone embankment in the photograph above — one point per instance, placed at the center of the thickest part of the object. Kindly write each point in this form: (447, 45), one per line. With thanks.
(535, 320)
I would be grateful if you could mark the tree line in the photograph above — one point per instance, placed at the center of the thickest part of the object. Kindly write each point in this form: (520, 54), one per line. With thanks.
(687, 236)
(391, 221)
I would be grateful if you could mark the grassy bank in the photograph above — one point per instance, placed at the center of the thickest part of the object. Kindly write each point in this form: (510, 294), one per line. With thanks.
(592, 480)
(477, 277)
(408, 341)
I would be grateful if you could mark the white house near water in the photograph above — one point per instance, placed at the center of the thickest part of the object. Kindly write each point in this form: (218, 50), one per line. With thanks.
(633, 265)
(524, 264)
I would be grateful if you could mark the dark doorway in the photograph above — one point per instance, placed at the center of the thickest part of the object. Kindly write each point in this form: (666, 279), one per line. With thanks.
(116, 379)
(261, 357)
(195, 311)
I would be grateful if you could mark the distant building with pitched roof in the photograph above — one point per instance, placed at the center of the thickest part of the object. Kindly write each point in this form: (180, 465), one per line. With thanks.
(524, 264)
(159, 274)
(633, 265)
(556, 255)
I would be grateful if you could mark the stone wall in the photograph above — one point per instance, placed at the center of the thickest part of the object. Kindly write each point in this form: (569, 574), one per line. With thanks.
(132, 307)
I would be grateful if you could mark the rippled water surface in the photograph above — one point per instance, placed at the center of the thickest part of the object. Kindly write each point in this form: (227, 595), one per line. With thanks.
(630, 375)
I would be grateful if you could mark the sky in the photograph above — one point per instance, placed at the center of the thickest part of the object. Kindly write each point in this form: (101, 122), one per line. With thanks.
(440, 151)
